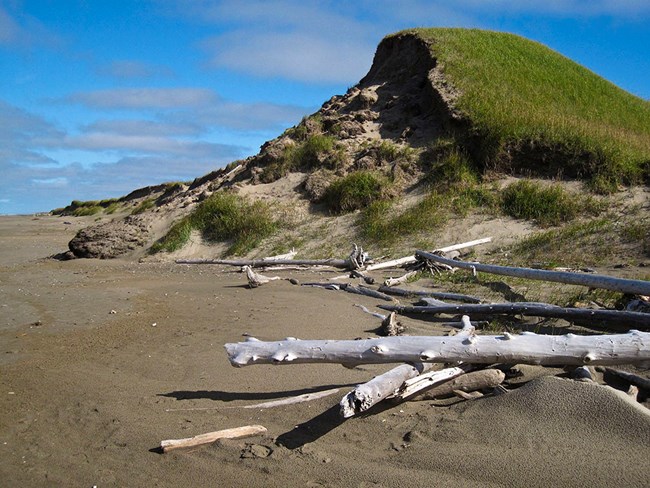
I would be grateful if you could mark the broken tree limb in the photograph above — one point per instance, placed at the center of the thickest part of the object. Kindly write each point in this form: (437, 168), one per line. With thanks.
(610, 317)
(210, 437)
(390, 383)
(257, 279)
(632, 378)
(527, 348)
(362, 290)
(397, 263)
(390, 326)
(636, 287)
(400, 292)
(399, 281)
(472, 381)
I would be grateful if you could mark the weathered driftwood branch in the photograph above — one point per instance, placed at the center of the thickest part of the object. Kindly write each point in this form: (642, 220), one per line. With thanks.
(236, 433)
(257, 279)
(289, 255)
(261, 263)
(636, 319)
(570, 349)
(400, 292)
(399, 281)
(366, 395)
(362, 290)
(396, 263)
(638, 287)
(472, 381)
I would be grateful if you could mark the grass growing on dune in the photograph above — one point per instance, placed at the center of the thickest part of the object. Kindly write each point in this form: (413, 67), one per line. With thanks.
(223, 217)
(522, 97)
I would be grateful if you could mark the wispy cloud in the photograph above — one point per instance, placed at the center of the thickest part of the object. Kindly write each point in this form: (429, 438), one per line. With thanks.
(298, 56)
(129, 69)
(18, 29)
(145, 98)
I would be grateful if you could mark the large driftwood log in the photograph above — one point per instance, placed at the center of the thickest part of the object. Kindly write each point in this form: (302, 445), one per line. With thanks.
(472, 381)
(529, 348)
(610, 317)
(199, 440)
(636, 287)
(397, 263)
(400, 292)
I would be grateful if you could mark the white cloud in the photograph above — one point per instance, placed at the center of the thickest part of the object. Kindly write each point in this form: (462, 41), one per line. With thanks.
(22, 30)
(298, 56)
(130, 69)
(145, 98)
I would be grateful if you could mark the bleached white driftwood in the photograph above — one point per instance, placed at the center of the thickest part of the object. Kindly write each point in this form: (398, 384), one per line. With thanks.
(390, 383)
(399, 281)
(396, 263)
(390, 326)
(305, 397)
(637, 287)
(289, 255)
(472, 381)
(611, 317)
(257, 279)
(236, 433)
(527, 348)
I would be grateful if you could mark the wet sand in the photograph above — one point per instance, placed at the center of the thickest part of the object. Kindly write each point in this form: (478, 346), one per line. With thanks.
(101, 360)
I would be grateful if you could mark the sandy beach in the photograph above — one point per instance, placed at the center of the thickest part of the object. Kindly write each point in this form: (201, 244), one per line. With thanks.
(100, 360)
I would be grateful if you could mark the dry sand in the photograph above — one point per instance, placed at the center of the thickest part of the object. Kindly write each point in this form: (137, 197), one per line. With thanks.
(87, 395)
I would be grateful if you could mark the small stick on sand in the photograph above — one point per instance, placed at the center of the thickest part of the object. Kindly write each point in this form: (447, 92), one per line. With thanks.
(210, 437)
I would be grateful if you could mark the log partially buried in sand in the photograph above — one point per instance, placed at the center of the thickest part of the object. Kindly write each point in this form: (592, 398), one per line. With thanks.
(210, 437)
(528, 348)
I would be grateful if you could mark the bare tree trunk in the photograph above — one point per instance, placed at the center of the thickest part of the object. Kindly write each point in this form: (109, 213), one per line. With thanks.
(610, 317)
(261, 263)
(528, 348)
(637, 287)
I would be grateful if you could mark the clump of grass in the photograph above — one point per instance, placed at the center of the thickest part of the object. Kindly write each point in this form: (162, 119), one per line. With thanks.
(315, 151)
(524, 102)
(145, 205)
(355, 191)
(528, 200)
(223, 217)
(89, 208)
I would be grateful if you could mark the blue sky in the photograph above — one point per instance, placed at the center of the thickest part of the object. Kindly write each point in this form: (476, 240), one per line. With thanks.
(100, 97)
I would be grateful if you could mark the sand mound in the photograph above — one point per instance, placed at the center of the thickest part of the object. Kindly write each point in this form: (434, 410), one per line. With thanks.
(550, 432)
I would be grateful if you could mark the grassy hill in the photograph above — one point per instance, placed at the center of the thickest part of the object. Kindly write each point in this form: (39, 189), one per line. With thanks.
(432, 134)
(531, 107)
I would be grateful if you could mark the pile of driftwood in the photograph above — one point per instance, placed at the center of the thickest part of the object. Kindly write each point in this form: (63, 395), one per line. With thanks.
(473, 362)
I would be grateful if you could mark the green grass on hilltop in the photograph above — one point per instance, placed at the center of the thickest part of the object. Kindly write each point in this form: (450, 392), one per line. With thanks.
(530, 107)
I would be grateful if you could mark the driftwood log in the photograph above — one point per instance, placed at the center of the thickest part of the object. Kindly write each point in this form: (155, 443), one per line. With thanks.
(400, 280)
(210, 437)
(400, 292)
(393, 382)
(610, 317)
(528, 348)
(472, 381)
(635, 287)
(257, 279)
(397, 263)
